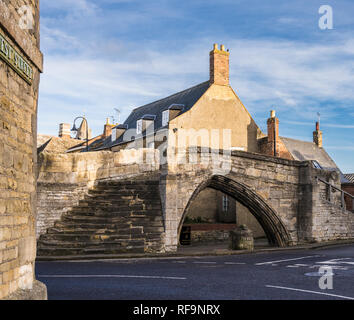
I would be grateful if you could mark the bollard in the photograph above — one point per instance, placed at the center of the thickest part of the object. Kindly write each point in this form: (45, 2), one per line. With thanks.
(241, 239)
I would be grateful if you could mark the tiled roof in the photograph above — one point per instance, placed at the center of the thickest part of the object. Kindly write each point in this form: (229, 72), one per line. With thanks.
(304, 150)
(53, 144)
(187, 98)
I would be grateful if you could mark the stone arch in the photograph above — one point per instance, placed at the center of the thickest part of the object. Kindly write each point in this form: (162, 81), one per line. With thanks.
(273, 227)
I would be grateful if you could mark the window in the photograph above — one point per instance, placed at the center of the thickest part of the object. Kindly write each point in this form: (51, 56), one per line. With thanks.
(139, 126)
(151, 145)
(114, 135)
(165, 117)
(225, 203)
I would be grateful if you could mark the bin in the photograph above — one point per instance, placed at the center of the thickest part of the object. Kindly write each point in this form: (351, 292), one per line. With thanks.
(185, 238)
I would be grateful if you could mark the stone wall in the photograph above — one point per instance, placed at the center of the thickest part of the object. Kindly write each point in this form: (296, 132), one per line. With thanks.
(210, 233)
(330, 221)
(18, 119)
(64, 179)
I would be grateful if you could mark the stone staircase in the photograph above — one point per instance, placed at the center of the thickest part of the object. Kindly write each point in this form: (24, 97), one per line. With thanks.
(115, 217)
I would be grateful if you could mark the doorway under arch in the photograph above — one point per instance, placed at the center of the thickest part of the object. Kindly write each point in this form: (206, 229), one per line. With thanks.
(273, 227)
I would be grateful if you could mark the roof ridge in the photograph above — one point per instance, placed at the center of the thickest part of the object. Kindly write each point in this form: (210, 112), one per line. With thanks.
(177, 93)
(311, 142)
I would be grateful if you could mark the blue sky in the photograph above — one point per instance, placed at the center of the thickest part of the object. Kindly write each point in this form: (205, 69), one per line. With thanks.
(106, 54)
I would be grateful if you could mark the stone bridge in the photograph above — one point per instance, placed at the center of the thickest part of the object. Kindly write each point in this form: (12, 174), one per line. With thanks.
(286, 197)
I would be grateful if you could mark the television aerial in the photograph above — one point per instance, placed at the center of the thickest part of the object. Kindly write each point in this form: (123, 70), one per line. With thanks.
(117, 111)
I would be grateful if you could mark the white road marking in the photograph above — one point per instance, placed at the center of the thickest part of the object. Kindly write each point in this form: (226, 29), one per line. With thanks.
(297, 265)
(333, 267)
(338, 261)
(309, 291)
(108, 276)
(285, 260)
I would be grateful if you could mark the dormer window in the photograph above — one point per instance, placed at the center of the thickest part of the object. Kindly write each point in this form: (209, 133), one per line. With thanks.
(139, 126)
(165, 117)
(118, 131)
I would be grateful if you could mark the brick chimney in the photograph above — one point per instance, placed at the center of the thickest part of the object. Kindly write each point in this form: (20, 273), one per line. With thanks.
(317, 135)
(219, 66)
(64, 131)
(107, 131)
(273, 133)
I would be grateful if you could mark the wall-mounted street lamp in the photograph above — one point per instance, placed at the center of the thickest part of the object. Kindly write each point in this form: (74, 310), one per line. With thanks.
(74, 129)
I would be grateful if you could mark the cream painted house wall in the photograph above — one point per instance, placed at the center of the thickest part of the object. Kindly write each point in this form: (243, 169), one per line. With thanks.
(219, 108)
(208, 206)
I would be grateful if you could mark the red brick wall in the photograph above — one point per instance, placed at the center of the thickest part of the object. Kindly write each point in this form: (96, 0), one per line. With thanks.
(348, 201)
(267, 147)
(219, 67)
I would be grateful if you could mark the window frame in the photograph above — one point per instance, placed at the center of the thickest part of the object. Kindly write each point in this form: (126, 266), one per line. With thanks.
(139, 126)
(225, 203)
(165, 119)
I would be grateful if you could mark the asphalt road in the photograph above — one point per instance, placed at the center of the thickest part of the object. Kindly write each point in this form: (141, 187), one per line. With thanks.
(289, 275)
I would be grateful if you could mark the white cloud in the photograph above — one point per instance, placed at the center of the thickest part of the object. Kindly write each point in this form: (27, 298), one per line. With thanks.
(100, 74)
(325, 124)
(69, 5)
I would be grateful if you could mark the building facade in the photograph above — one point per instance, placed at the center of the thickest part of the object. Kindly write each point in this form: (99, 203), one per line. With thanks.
(20, 68)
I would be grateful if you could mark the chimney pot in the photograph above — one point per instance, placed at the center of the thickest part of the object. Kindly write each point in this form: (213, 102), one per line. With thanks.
(317, 136)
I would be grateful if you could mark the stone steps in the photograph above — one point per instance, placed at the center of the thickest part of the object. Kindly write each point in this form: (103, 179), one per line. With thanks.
(88, 237)
(111, 207)
(62, 251)
(103, 231)
(125, 223)
(115, 217)
(125, 196)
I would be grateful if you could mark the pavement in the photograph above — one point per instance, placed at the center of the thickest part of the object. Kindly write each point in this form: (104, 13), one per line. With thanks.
(221, 248)
(296, 274)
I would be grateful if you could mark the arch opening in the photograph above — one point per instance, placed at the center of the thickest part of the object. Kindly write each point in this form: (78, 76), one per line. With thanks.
(264, 215)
